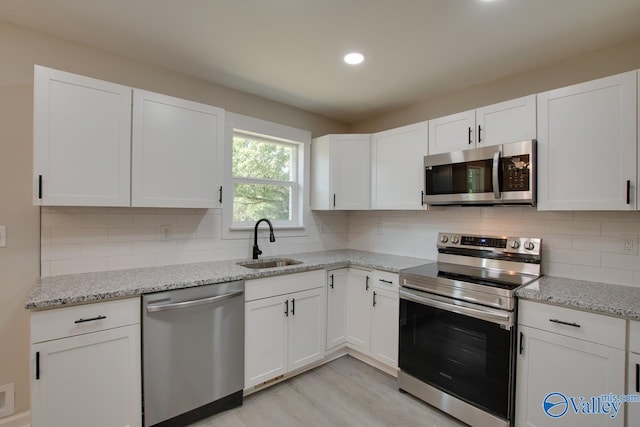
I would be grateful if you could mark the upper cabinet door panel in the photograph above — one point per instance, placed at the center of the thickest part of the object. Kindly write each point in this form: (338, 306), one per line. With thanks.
(175, 152)
(452, 133)
(587, 145)
(82, 134)
(397, 167)
(505, 122)
(350, 177)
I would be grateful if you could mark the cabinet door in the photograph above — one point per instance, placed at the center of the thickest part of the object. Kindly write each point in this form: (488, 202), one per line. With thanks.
(587, 145)
(397, 167)
(509, 121)
(337, 307)
(175, 152)
(307, 327)
(358, 317)
(452, 133)
(384, 326)
(81, 140)
(350, 165)
(265, 339)
(91, 379)
(553, 363)
(633, 387)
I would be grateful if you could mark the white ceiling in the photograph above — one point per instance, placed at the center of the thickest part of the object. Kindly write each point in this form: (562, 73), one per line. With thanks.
(291, 50)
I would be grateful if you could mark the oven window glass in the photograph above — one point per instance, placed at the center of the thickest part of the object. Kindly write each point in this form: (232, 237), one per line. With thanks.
(465, 357)
(458, 178)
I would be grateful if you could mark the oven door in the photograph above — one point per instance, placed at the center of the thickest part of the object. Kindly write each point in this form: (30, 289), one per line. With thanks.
(463, 349)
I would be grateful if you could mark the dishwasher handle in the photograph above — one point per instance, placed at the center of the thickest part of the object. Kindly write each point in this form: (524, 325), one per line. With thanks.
(192, 303)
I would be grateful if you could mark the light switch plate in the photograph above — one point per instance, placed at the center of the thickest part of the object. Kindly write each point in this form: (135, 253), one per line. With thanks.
(3, 236)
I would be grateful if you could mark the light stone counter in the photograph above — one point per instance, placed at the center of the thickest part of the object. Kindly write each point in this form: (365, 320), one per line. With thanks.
(614, 300)
(53, 292)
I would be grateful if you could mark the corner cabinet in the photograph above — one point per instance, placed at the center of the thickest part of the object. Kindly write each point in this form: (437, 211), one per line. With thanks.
(175, 152)
(587, 145)
(285, 325)
(337, 307)
(633, 372)
(570, 352)
(340, 172)
(82, 140)
(86, 365)
(102, 144)
(508, 121)
(397, 167)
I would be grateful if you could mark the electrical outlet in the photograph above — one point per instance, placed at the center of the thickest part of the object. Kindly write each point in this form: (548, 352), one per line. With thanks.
(378, 228)
(3, 236)
(165, 233)
(630, 245)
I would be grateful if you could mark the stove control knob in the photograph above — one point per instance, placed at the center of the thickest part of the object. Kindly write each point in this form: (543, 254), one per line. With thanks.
(444, 239)
(515, 244)
(529, 246)
(455, 240)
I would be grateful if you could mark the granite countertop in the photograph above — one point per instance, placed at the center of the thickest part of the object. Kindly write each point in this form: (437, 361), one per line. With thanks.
(603, 298)
(56, 291)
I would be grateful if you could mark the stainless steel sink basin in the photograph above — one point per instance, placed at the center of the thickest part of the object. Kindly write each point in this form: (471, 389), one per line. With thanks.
(269, 263)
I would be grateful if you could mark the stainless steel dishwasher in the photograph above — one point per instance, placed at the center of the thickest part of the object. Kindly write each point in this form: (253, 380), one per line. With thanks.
(192, 353)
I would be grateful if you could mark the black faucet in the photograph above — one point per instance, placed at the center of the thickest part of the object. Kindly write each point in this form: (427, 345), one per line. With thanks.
(272, 238)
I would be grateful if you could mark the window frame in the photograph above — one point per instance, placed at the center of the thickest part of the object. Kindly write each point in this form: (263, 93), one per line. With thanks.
(272, 132)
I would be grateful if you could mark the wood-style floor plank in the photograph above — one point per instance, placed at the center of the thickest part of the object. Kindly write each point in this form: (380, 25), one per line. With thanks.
(344, 392)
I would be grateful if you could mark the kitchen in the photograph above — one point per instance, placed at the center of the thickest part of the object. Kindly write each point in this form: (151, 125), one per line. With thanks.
(579, 244)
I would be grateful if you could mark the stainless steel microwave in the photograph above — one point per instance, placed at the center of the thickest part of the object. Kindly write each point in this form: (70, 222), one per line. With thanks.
(494, 175)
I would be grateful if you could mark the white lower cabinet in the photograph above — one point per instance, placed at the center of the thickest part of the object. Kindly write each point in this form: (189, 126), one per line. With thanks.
(359, 294)
(86, 366)
(384, 326)
(286, 331)
(567, 361)
(337, 287)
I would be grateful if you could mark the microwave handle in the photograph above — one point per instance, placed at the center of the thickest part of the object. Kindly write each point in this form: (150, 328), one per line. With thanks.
(496, 175)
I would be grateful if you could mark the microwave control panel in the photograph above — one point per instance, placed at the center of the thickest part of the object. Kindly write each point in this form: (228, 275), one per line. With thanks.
(516, 173)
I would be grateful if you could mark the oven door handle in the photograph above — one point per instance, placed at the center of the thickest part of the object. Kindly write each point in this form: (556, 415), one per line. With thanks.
(496, 175)
(493, 316)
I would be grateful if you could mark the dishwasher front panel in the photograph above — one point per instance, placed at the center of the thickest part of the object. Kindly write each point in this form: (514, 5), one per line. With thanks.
(193, 352)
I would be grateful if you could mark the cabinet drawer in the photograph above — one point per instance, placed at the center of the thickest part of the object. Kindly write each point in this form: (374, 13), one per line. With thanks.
(386, 280)
(634, 336)
(592, 327)
(285, 284)
(81, 319)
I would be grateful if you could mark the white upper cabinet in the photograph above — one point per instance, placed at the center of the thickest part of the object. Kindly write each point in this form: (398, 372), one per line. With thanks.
(504, 122)
(175, 152)
(82, 140)
(93, 146)
(587, 143)
(397, 171)
(340, 172)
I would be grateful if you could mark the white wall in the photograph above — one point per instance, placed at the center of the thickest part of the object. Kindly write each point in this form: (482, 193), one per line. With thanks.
(579, 245)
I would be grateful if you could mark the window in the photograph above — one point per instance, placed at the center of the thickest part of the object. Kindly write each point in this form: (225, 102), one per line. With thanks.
(265, 179)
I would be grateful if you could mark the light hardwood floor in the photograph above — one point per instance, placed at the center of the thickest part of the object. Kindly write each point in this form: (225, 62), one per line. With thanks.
(344, 392)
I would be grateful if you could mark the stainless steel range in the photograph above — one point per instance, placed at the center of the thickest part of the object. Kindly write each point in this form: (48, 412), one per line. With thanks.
(457, 325)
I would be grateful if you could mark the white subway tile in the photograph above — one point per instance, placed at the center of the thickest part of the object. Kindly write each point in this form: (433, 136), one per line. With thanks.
(153, 247)
(621, 261)
(45, 268)
(620, 228)
(156, 220)
(45, 236)
(604, 275)
(61, 220)
(572, 256)
(107, 220)
(131, 261)
(138, 234)
(581, 228)
(556, 269)
(74, 266)
(56, 252)
(92, 250)
(78, 235)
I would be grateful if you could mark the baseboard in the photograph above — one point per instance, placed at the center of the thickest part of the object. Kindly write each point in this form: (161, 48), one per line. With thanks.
(372, 362)
(22, 419)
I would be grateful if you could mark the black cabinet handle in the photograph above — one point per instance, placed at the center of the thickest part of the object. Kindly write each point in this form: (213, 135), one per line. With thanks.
(37, 365)
(374, 298)
(40, 186)
(220, 200)
(293, 307)
(331, 284)
(366, 284)
(334, 200)
(628, 192)
(286, 308)
(575, 325)
(422, 198)
(91, 319)
(469, 134)
(637, 377)
(386, 281)
(521, 342)
(479, 133)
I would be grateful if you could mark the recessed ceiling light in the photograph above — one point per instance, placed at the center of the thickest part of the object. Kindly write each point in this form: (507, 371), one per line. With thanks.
(354, 58)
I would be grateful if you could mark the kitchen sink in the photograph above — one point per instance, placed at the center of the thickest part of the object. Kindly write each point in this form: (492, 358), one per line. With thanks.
(269, 263)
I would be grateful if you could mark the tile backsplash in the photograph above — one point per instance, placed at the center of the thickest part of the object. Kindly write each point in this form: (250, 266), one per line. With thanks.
(78, 240)
(578, 245)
